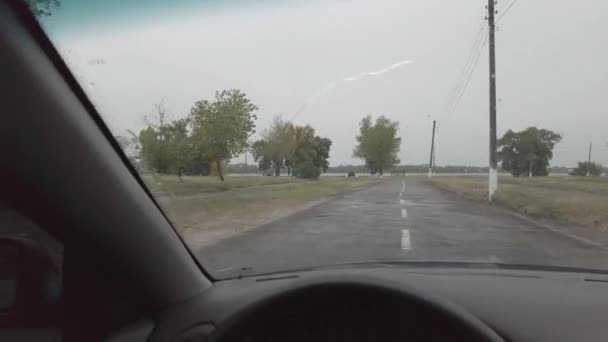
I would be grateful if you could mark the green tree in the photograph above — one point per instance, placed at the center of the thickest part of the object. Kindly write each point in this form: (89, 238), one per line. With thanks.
(153, 151)
(307, 169)
(223, 126)
(296, 148)
(154, 141)
(179, 147)
(378, 144)
(584, 168)
(259, 150)
(303, 153)
(322, 147)
(309, 152)
(280, 144)
(528, 151)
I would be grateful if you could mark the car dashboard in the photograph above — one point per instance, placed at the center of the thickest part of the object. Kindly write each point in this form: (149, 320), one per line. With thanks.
(395, 304)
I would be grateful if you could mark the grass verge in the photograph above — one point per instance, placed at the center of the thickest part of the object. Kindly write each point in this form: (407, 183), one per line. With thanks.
(576, 201)
(170, 185)
(204, 209)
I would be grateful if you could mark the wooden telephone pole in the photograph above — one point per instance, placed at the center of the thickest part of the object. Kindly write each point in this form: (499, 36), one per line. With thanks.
(432, 151)
(589, 161)
(493, 174)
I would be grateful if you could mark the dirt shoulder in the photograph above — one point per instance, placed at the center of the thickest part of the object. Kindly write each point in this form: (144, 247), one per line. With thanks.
(207, 217)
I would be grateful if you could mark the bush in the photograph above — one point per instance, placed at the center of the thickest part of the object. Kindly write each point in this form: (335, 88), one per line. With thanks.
(307, 170)
(594, 169)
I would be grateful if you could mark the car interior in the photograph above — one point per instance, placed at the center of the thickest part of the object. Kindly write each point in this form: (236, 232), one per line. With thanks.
(86, 253)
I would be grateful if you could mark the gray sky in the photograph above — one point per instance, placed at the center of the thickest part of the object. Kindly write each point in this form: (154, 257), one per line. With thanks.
(551, 67)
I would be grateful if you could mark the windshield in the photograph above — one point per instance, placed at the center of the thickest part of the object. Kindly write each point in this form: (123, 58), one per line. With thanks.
(279, 135)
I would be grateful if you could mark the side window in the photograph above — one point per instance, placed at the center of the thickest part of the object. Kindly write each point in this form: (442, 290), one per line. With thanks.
(31, 264)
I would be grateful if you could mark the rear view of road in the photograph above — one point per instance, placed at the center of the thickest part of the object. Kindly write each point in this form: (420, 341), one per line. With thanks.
(400, 219)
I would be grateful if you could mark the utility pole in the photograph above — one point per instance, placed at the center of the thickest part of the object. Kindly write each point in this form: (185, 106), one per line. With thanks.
(432, 152)
(589, 161)
(434, 156)
(493, 174)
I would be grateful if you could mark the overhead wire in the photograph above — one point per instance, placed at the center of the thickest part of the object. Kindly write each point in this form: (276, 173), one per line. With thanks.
(475, 45)
(506, 10)
(472, 61)
(471, 70)
(465, 73)
(473, 50)
(485, 42)
(478, 54)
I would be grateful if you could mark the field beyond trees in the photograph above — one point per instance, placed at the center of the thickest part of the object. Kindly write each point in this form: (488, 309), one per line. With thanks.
(574, 201)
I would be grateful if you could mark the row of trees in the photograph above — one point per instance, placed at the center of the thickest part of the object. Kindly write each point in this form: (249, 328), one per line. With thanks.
(216, 131)
(304, 154)
(524, 153)
(213, 133)
(587, 169)
(294, 148)
(528, 153)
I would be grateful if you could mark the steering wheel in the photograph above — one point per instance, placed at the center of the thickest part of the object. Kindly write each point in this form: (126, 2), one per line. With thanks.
(354, 308)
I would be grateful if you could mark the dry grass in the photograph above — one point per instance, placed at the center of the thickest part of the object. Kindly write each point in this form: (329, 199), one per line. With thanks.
(578, 201)
(192, 185)
(205, 203)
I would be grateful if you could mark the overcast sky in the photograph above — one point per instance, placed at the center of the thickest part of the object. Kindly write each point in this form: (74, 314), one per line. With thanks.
(289, 55)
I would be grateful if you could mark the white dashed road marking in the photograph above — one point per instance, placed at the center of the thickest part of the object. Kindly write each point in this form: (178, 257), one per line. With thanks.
(405, 233)
(405, 239)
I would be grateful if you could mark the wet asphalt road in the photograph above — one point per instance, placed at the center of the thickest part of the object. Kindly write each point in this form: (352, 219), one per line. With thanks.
(399, 219)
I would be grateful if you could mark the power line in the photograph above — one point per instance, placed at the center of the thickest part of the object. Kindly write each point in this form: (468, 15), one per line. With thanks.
(501, 6)
(475, 46)
(506, 10)
(471, 70)
(468, 63)
(472, 60)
